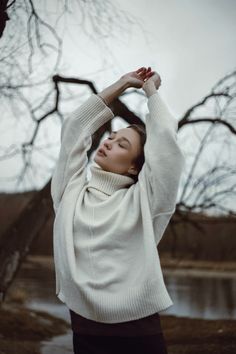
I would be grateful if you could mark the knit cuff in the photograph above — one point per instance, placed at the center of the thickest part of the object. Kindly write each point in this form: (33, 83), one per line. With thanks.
(92, 114)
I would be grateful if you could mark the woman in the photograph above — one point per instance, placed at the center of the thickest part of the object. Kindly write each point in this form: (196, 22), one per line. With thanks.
(107, 229)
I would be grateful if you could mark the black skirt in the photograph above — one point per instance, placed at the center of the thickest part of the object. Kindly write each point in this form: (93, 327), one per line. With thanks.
(140, 327)
(140, 336)
(92, 344)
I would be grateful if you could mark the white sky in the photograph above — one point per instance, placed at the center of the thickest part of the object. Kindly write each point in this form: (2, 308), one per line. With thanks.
(191, 43)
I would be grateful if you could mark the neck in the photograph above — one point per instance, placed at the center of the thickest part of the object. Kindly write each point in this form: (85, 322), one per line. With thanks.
(106, 181)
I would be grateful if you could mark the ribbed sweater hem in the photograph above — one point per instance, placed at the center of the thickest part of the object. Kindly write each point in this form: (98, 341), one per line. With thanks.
(132, 304)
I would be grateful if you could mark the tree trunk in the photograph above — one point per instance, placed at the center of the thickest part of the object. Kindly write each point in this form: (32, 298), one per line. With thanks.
(17, 239)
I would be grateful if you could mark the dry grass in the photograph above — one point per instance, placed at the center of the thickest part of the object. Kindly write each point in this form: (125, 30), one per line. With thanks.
(195, 336)
(168, 262)
(22, 330)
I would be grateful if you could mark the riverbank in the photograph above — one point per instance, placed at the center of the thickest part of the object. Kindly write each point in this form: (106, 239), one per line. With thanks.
(22, 331)
(168, 262)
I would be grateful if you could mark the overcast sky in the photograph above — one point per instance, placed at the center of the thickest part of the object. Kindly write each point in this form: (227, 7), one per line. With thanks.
(191, 43)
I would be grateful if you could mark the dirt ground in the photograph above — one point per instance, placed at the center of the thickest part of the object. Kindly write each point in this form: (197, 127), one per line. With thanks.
(195, 336)
(22, 330)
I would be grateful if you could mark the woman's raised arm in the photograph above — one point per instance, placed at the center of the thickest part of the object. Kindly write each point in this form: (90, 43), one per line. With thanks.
(164, 161)
(76, 140)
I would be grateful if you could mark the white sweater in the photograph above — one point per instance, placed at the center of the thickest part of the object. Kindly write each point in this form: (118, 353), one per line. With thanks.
(106, 229)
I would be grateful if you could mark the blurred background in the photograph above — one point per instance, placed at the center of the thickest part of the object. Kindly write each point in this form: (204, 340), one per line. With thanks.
(53, 55)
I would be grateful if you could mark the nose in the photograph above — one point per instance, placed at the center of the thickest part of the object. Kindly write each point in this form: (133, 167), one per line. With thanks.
(107, 144)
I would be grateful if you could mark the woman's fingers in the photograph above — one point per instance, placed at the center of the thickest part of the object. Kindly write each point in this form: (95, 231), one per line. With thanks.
(141, 69)
(145, 73)
(148, 75)
(142, 74)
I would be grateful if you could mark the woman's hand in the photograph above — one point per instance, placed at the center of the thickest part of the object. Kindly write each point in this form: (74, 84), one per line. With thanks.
(135, 78)
(142, 78)
(152, 83)
(153, 77)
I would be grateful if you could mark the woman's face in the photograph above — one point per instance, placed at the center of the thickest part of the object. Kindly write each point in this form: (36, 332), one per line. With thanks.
(117, 153)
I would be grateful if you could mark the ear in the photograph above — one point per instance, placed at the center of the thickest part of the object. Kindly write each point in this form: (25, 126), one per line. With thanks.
(133, 170)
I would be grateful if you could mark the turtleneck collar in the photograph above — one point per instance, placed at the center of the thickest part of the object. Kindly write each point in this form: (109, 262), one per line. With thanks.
(107, 182)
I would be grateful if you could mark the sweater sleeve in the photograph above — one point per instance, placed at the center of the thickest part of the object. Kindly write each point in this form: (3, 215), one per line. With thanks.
(76, 140)
(164, 162)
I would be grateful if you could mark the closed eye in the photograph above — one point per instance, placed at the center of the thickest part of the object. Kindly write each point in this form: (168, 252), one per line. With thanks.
(124, 147)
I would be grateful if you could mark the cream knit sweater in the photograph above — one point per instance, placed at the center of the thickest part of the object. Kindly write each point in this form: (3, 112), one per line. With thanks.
(106, 229)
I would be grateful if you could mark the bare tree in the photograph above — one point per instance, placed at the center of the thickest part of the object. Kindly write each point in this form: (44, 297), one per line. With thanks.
(4, 5)
(20, 55)
(212, 188)
(31, 54)
(32, 91)
(40, 97)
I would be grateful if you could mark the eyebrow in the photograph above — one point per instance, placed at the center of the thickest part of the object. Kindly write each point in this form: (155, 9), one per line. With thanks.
(122, 138)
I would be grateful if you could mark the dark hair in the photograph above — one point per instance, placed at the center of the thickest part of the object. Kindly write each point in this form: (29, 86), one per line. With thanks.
(139, 161)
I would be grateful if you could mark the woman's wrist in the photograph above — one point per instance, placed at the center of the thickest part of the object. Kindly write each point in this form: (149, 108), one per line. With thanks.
(124, 83)
(149, 88)
(113, 91)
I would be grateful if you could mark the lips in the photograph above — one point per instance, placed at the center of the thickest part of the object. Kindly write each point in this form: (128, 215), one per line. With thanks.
(101, 151)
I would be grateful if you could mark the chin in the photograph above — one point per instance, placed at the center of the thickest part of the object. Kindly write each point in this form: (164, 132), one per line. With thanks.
(98, 161)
